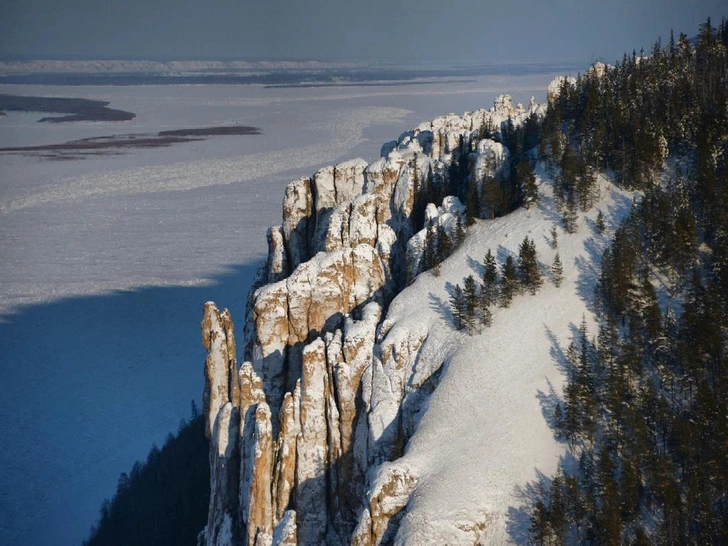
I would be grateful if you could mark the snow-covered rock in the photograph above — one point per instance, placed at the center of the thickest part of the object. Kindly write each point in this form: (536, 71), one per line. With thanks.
(332, 406)
(491, 159)
(445, 216)
(554, 88)
(218, 338)
(286, 532)
(297, 221)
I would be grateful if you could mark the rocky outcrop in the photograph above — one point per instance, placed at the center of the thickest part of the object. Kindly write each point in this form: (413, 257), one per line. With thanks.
(386, 500)
(219, 340)
(445, 216)
(554, 88)
(303, 434)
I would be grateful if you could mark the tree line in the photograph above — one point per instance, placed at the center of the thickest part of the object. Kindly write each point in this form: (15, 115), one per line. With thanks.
(164, 500)
(644, 405)
(470, 304)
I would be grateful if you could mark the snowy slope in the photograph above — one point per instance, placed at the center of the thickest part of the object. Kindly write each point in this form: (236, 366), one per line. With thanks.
(484, 432)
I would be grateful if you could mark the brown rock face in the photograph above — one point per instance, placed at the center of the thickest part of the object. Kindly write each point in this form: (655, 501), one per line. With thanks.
(221, 529)
(312, 461)
(260, 507)
(220, 366)
(298, 221)
(303, 435)
(387, 499)
(314, 299)
(285, 470)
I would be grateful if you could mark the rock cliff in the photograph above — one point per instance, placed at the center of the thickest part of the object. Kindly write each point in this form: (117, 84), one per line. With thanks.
(306, 433)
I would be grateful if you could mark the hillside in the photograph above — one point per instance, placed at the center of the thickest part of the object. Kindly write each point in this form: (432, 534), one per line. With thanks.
(378, 401)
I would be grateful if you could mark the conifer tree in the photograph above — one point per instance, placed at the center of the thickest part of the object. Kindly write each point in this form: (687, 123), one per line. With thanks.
(600, 222)
(459, 231)
(509, 282)
(457, 304)
(557, 515)
(493, 197)
(453, 175)
(444, 244)
(528, 271)
(472, 204)
(539, 529)
(524, 171)
(485, 314)
(557, 271)
(489, 290)
(570, 215)
(554, 243)
(421, 194)
(470, 293)
(429, 253)
(586, 184)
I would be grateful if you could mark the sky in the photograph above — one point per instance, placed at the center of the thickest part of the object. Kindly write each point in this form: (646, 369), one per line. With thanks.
(373, 30)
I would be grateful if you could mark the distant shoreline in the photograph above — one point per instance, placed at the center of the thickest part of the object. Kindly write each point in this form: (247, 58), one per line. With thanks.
(75, 109)
(131, 141)
(280, 75)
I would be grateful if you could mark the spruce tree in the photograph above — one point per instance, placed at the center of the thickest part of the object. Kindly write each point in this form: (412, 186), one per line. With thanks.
(557, 271)
(600, 222)
(493, 197)
(457, 304)
(429, 253)
(420, 198)
(524, 171)
(459, 231)
(485, 314)
(554, 243)
(444, 244)
(489, 290)
(528, 271)
(570, 215)
(472, 204)
(470, 293)
(509, 282)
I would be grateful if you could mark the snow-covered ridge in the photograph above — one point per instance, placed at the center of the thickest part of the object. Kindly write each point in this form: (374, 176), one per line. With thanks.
(307, 436)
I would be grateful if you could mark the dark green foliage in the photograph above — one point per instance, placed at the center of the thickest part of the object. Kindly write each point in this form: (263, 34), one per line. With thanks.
(489, 289)
(528, 271)
(509, 282)
(163, 501)
(422, 194)
(430, 258)
(459, 231)
(629, 117)
(600, 222)
(554, 243)
(570, 216)
(444, 244)
(458, 307)
(494, 198)
(472, 204)
(470, 308)
(457, 172)
(557, 271)
(644, 404)
(527, 180)
(470, 293)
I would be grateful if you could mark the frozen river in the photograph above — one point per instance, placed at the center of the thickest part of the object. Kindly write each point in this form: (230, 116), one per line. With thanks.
(105, 263)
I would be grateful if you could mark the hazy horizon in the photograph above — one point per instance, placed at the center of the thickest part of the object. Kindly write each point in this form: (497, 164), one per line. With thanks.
(385, 31)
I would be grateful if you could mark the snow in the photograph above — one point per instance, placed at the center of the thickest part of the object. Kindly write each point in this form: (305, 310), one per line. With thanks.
(107, 261)
(484, 433)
